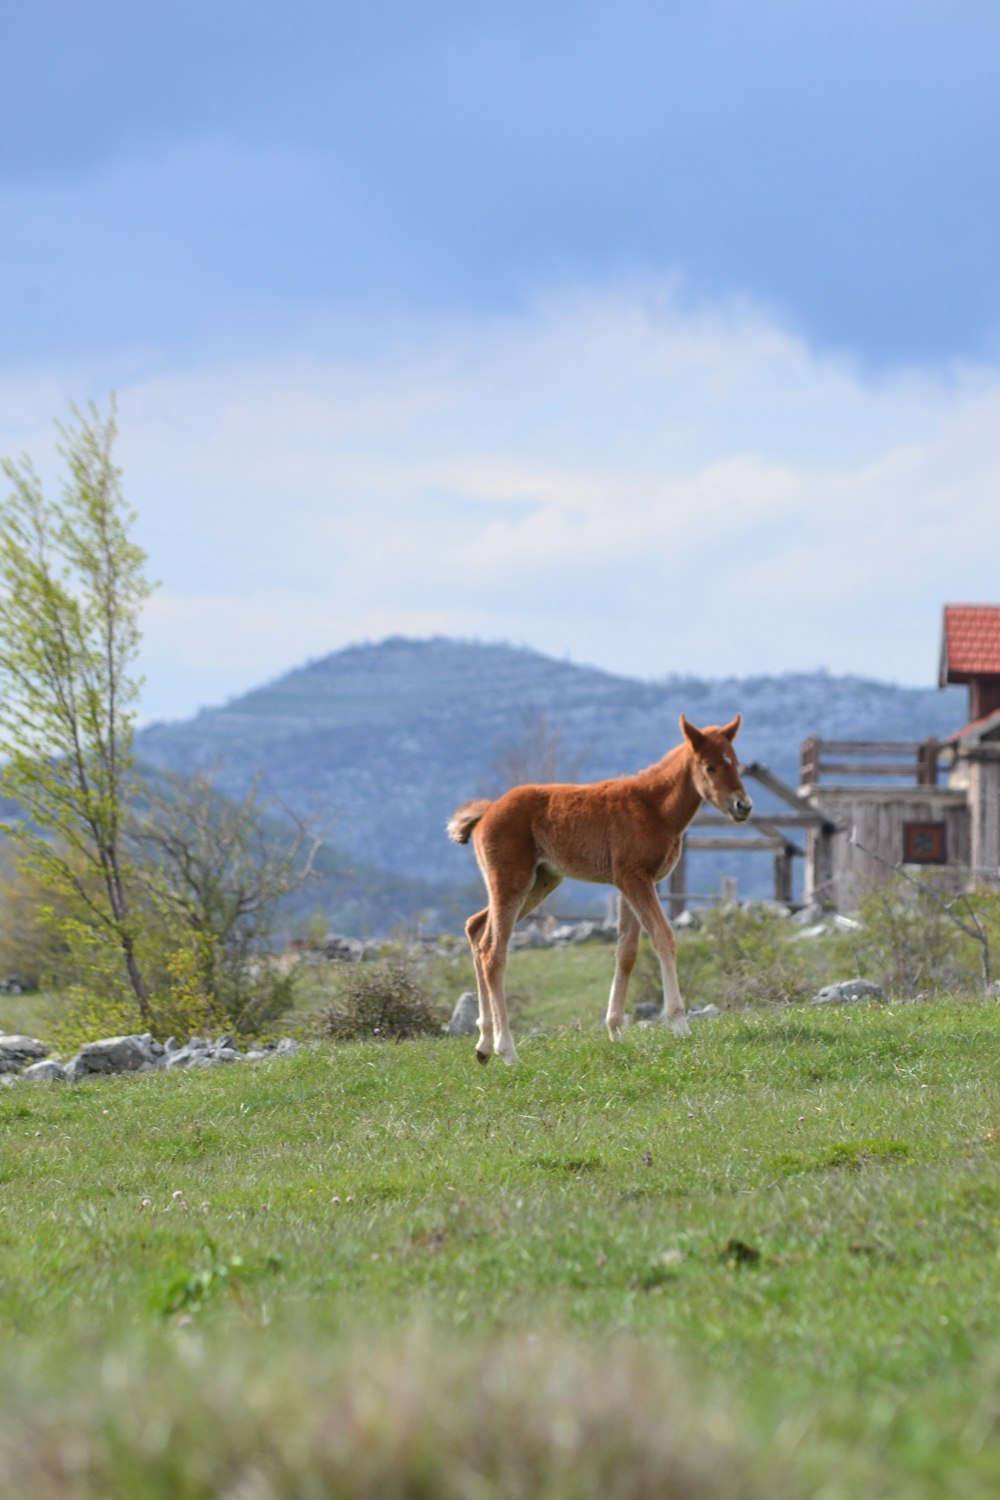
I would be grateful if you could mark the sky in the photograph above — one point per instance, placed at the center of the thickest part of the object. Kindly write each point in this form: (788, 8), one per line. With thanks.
(660, 336)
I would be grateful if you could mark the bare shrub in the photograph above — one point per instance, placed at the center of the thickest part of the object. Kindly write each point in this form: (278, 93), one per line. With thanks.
(537, 753)
(214, 872)
(384, 1002)
(909, 943)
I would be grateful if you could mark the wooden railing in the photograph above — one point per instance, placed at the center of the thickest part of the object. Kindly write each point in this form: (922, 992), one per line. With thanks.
(916, 760)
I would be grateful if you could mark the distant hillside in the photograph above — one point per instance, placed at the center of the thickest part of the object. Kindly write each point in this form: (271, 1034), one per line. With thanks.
(354, 896)
(383, 741)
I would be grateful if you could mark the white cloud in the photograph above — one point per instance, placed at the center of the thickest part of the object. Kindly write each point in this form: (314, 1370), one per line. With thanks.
(607, 476)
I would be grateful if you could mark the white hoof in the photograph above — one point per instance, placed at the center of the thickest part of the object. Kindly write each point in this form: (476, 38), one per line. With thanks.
(508, 1052)
(680, 1025)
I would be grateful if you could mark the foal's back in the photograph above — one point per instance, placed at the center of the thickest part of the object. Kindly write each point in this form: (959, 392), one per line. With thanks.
(578, 830)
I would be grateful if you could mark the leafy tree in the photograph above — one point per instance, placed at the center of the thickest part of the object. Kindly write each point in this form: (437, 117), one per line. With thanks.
(72, 586)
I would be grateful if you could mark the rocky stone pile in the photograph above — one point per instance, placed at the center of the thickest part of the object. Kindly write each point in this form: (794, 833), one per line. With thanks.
(338, 948)
(539, 932)
(651, 1013)
(19, 1052)
(550, 933)
(465, 1017)
(26, 1057)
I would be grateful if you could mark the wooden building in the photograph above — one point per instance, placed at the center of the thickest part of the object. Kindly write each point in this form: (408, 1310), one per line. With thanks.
(970, 653)
(872, 828)
(944, 808)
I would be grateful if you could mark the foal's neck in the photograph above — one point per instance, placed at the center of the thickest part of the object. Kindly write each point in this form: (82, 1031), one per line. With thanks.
(672, 780)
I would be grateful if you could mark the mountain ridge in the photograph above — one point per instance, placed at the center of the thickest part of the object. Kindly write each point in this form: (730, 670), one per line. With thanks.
(383, 740)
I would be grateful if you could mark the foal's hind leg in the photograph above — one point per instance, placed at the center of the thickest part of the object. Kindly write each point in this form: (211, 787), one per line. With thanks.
(489, 939)
(545, 882)
(493, 956)
(503, 916)
(475, 929)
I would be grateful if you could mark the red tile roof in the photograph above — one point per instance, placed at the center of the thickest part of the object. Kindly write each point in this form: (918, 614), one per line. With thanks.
(970, 643)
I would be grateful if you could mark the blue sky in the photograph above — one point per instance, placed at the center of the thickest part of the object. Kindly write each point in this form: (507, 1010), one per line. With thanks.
(663, 336)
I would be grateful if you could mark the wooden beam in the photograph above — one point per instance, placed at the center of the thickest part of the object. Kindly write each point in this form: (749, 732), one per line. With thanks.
(766, 777)
(719, 841)
(869, 747)
(787, 793)
(763, 820)
(864, 768)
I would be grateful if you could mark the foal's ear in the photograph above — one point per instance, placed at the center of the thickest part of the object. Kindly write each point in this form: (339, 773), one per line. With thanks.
(731, 729)
(694, 736)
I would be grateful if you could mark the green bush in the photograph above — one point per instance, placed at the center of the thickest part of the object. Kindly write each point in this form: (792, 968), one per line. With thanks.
(246, 998)
(740, 955)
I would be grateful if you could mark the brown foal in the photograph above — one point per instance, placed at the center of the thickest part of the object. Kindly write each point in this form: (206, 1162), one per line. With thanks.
(626, 832)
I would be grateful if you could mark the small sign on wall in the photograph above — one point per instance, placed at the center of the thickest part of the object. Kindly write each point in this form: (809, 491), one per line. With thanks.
(925, 844)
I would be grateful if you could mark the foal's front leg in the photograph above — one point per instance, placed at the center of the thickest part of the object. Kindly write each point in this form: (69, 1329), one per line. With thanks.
(626, 953)
(641, 896)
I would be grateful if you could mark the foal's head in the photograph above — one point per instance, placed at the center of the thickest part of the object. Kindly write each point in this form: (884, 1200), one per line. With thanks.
(715, 769)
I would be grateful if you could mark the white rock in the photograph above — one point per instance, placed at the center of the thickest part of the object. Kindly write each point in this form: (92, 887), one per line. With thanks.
(848, 991)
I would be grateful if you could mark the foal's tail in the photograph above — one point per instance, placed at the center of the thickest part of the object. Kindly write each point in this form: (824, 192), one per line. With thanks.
(463, 821)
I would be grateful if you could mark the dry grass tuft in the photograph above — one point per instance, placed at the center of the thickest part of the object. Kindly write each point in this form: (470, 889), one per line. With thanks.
(416, 1420)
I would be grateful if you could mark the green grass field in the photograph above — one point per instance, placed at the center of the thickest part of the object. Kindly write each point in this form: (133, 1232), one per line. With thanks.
(764, 1261)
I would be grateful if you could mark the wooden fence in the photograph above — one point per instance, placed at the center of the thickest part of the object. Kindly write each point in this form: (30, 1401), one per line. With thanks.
(912, 760)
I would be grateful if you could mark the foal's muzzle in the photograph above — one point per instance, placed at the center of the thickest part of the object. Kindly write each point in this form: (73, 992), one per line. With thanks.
(740, 809)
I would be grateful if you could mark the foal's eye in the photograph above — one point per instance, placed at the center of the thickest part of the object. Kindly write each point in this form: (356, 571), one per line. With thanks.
(710, 770)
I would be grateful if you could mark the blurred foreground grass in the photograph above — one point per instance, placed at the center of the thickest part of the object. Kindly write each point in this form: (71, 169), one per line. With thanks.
(792, 1220)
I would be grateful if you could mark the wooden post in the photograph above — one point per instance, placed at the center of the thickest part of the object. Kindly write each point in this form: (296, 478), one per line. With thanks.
(819, 867)
(984, 813)
(927, 762)
(677, 887)
(809, 762)
(783, 874)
